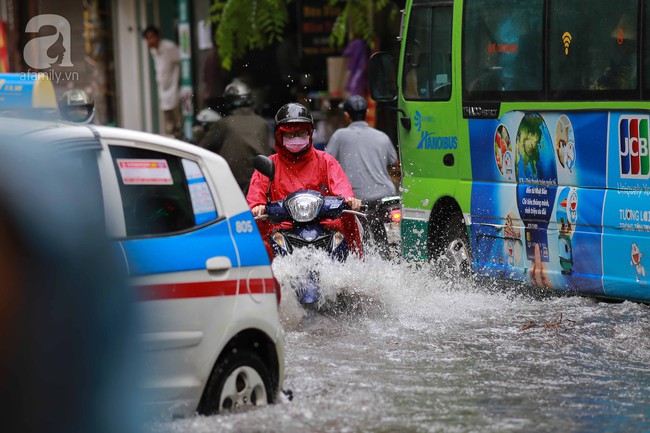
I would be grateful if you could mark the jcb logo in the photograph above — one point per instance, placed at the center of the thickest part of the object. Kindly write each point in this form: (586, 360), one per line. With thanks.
(633, 147)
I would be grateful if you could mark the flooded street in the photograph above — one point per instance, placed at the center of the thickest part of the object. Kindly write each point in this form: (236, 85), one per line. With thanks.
(427, 354)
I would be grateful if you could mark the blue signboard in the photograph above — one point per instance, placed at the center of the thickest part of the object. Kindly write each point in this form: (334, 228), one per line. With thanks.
(26, 90)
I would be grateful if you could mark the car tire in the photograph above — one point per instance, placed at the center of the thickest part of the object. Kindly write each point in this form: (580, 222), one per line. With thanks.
(239, 380)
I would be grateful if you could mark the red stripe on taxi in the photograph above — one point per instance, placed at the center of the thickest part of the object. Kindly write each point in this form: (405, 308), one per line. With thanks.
(203, 289)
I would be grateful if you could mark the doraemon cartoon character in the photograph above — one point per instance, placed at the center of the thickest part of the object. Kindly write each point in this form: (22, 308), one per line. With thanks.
(636, 262)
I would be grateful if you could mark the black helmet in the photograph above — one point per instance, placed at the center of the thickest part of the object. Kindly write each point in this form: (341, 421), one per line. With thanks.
(355, 104)
(77, 106)
(237, 94)
(293, 113)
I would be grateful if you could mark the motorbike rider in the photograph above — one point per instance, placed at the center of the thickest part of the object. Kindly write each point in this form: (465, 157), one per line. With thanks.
(298, 165)
(365, 154)
(239, 136)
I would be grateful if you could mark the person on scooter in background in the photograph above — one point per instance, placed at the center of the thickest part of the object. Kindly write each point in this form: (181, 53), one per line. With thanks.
(365, 154)
(239, 136)
(298, 165)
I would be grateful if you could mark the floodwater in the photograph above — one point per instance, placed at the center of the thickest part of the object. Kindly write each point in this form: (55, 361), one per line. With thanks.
(427, 353)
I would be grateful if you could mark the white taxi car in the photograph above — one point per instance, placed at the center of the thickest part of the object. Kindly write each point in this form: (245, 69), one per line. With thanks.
(202, 277)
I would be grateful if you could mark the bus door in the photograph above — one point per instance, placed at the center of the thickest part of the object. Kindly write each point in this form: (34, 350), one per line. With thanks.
(430, 142)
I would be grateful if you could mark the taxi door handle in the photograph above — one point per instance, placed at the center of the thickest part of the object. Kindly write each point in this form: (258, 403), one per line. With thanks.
(218, 264)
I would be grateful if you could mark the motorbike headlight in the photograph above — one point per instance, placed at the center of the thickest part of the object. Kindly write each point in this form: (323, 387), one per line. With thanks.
(304, 208)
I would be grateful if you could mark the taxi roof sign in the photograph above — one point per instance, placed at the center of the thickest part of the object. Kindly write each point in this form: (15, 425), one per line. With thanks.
(27, 90)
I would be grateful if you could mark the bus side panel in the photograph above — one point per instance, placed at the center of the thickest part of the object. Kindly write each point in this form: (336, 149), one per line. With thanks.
(626, 214)
(537, 197)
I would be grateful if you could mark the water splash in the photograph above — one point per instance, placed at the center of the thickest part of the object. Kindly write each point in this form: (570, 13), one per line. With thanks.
(430, 351)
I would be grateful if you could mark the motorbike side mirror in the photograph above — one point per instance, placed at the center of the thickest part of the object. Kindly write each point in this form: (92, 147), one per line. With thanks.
(264, 165)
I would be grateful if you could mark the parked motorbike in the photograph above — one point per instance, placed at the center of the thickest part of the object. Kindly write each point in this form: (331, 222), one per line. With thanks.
(382, 226)
(305, 209)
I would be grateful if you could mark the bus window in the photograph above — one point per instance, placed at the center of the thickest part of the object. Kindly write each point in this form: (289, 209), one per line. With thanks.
(593, 50)
(646, 54)
(427, 56)
(503, 53)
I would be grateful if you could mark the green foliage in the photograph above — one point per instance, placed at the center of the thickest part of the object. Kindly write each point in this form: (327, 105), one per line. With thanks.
(357, 17)
(243, 25)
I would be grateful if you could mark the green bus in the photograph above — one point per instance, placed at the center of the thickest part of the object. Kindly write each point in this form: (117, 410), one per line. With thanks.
(523, 137)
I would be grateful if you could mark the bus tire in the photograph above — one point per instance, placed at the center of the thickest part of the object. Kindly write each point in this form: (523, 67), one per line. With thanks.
(238, 380)
(449, 248)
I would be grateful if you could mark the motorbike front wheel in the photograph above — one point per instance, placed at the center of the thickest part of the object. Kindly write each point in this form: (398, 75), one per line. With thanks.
(309, 292)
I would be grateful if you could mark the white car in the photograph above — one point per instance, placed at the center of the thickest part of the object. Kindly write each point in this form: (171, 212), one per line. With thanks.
(202, 276)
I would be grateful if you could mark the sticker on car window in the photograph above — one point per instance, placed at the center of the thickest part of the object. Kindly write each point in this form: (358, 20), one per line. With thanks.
(192, 170)
(201, 198)
(145, 172)
(202, 202)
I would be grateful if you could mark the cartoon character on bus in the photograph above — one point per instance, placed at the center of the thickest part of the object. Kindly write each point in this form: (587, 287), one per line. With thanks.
(565, 143)
(502, 145)
(566, 216)
(512, 244)
(639, 269)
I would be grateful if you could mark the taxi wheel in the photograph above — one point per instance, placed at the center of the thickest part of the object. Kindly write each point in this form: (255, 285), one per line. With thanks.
(239, 380)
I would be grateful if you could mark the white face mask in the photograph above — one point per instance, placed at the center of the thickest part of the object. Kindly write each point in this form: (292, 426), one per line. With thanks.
(295, 144)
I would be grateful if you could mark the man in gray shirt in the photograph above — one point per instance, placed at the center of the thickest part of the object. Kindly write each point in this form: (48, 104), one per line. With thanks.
(364, 153)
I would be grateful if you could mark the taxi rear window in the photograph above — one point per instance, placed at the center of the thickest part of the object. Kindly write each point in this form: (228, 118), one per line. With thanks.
(161, 193)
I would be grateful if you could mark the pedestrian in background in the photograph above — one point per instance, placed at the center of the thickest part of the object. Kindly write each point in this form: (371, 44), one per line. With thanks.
(365, 154)
(241, 135)
(166, 59)
(357, 54)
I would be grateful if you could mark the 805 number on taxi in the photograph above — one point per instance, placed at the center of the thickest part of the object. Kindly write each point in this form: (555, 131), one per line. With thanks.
(245, 226)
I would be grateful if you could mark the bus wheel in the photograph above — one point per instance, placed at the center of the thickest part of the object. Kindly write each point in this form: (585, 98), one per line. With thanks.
(450, 251)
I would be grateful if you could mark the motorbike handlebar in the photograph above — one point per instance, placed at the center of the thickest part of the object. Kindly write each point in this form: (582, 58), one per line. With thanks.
(354, 212)
(361, 214)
